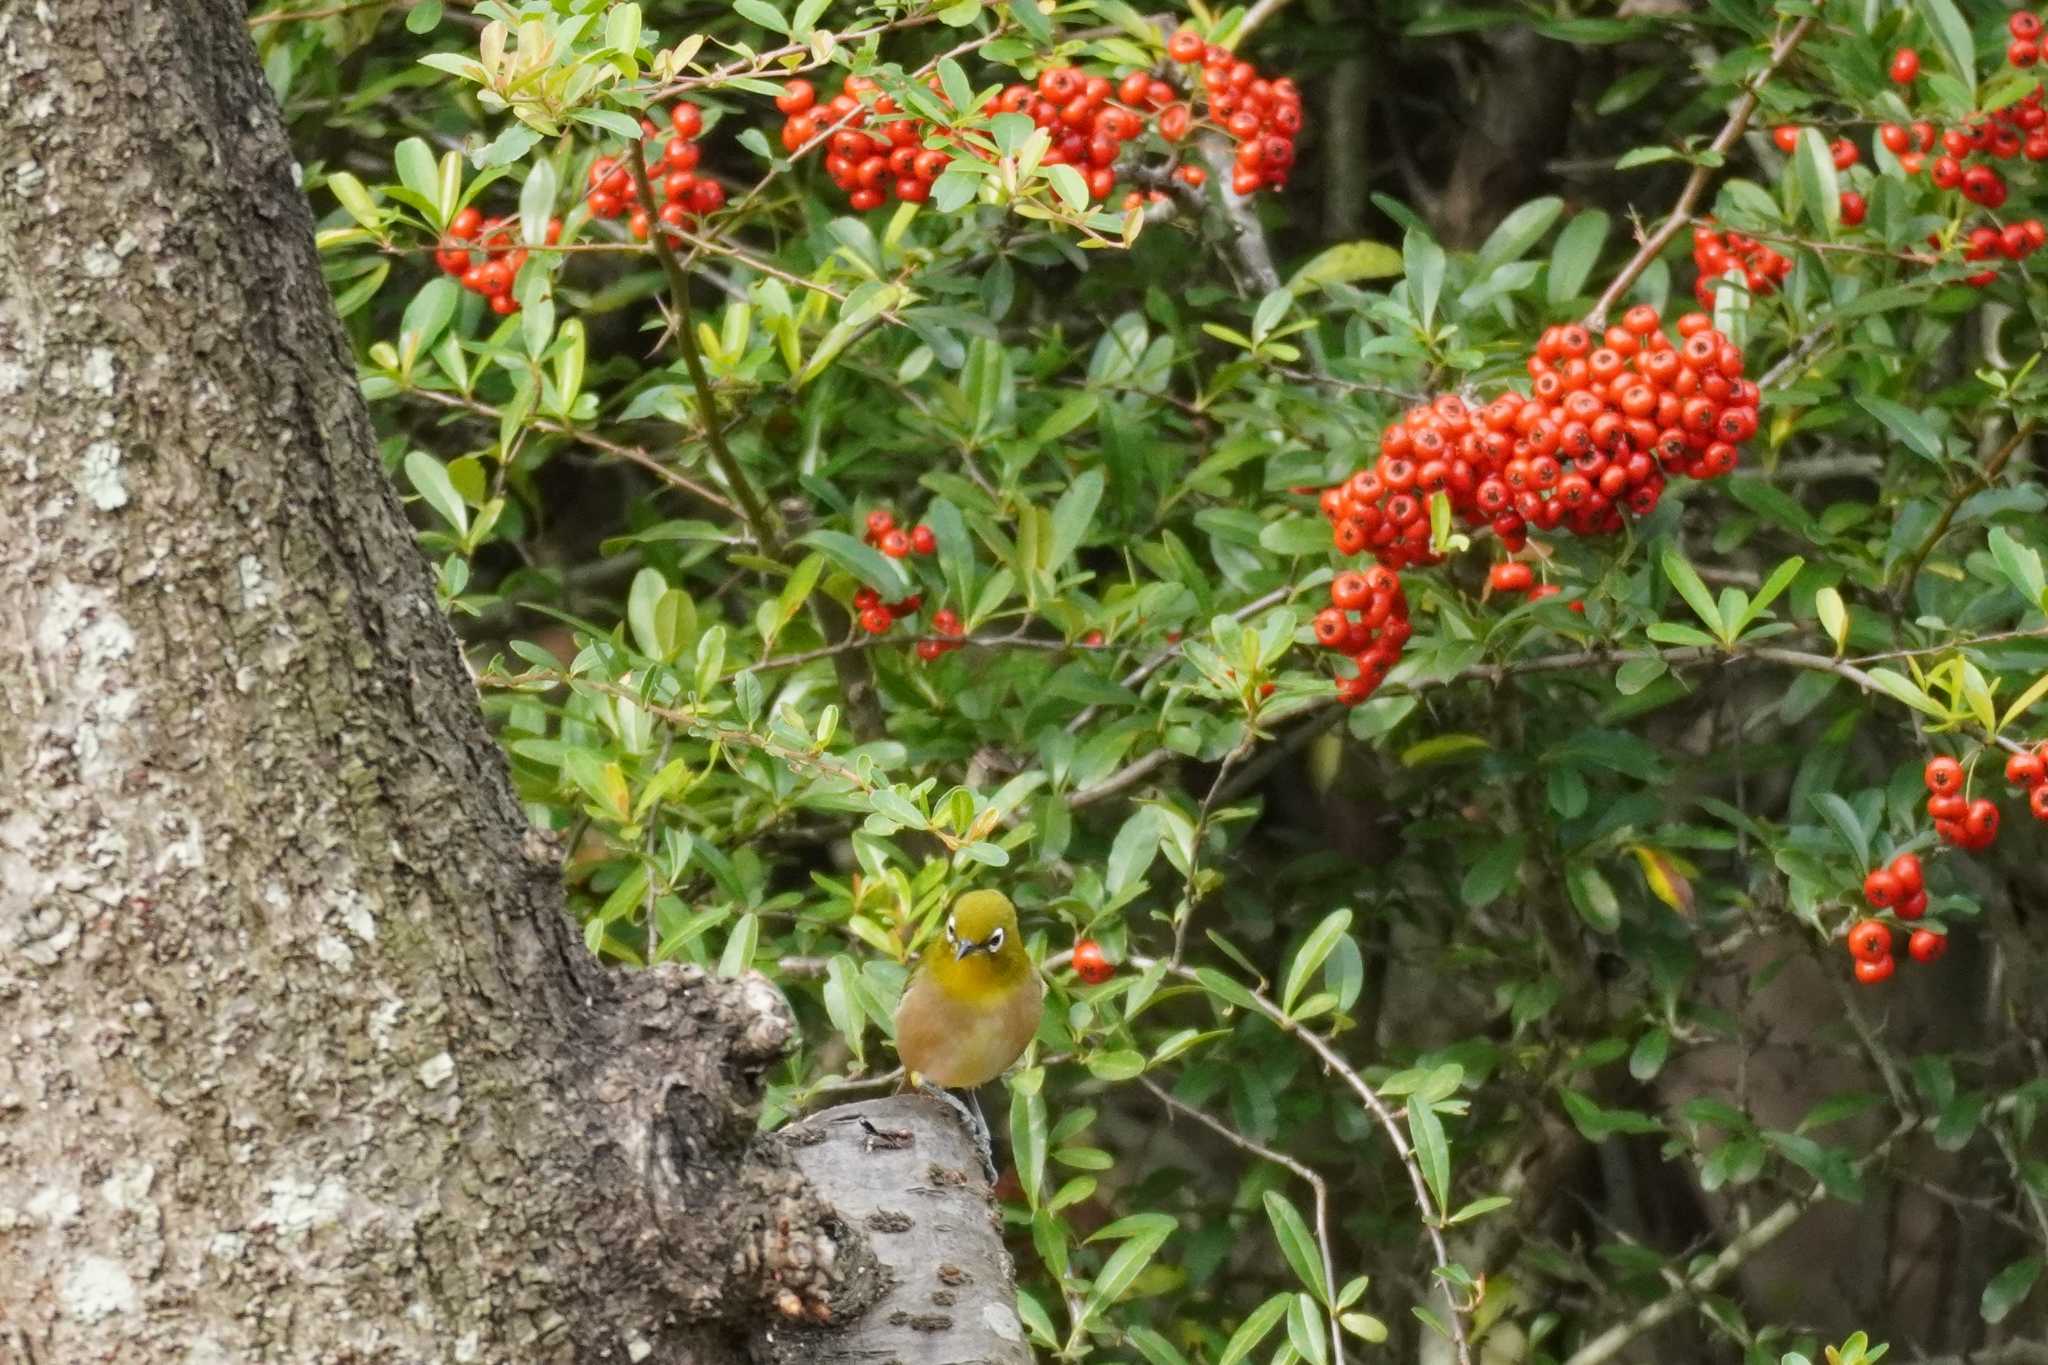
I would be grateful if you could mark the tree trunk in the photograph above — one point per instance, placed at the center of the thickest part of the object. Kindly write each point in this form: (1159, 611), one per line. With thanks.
(301, 1059)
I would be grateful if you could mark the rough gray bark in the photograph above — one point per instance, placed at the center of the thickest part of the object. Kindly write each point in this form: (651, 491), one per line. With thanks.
(299, 1057)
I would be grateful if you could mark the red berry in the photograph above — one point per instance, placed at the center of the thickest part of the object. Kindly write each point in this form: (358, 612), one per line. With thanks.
(1905, 66)
(1089, 963)
(1895, 138)
(894, 543)
(1981, 820)
(1870, 940)
(1926, 945)
(2037, 801)
(1844, 153)
(1943, 774)
(1092, 640)
(1186, 46)
(2022, 24)
(876, 620)
(687, 119)
(1913, 906)
(1786, 135)
(1192, 175)
(1350, 591)
(880, 522)
(1870, 973)
(922, 541)
(1881, 888)
(1854, 209)
(2022, 52)
(2025, 770)
(1906, 868)
(930, 650)
(1511, 576)
(796, 97)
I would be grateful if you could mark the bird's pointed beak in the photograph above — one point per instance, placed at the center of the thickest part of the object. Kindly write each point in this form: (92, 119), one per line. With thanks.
(962, 948)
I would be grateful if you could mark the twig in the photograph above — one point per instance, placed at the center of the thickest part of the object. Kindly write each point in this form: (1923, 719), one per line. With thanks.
(1696, 183)
(1432, 1217)
(752, 509)
(1752, 1240)
(1992, 469)
(1278, 1158)
(1254, 19)
(630, 454)
(1165, 656)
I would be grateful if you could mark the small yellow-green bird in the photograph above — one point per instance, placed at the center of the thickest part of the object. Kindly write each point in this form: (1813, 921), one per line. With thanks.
(973, 1005)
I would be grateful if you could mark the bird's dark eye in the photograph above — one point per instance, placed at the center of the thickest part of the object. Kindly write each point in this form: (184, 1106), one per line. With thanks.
(995, 940)
(951, 936)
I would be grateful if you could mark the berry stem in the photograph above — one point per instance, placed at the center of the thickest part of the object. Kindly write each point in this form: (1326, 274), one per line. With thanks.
(752, 509)
(1696, 183)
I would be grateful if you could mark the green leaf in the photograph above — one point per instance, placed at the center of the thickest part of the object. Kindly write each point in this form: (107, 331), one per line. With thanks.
(1256, 1327)
(1841, 817)
(1593, 897)
(1027, 1135)
(2020, 563)
(1907, 691)
(1480, 1206)
(1647, 1058)
(429, 478)
(537, 202)
(1423, 261)
(1432, 1151)
(418, 173)
(1072, 516)
(355, 199)
(1952, 31)
(1305, 1331)
(763, 14)
(1909, 426)
(1597, 1124)
(864, 562)
(1136, 845)
(2009, 1288)
(1068, 184)
(1345, 263)
(423, 16)
(1576, 253)
(1297, 1243)
(1493, 872)
(1518, 232)
(1315, 949)
(1780, 579)
(1813, 173)
(425, 317)
(1834, 616)
(1032, 20)
(1686, 579)
(1124, 1265)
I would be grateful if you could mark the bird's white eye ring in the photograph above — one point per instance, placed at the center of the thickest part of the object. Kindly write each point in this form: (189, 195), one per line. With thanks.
(994, 941)
(951, 935)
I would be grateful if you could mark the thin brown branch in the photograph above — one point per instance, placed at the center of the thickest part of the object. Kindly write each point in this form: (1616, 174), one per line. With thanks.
(752, 509)
(1258, 1149)
(1992, 469)
(631, 454)
(1431, 1217)
(1696, 183)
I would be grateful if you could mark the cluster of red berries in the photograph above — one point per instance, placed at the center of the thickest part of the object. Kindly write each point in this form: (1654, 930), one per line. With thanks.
(866, 165)
(1716, 253)
(1090, 118)
(1961, 158)
(892, 540)
(486, 256)
(1367, 619)
(1262, 115)
(1967, 824)
(1512, 575)
(672, 175)
(1900, 888)
(1090, 964)
(1605, 422)
(2028, 771)
(877, 616)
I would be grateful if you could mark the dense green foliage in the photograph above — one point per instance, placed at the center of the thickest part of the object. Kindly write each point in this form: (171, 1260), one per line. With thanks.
(1459, 989)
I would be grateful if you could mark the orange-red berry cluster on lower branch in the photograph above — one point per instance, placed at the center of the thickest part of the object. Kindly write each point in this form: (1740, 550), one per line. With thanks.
(1367, 619)
(1605, 423)
(1262, 115)
(485, 254)
(867, 161)
(672, 175)
(1899, 888)
(1716, 253)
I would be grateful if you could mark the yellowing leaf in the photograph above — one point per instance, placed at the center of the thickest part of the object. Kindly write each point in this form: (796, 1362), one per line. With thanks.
(1667, 875)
